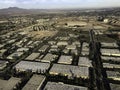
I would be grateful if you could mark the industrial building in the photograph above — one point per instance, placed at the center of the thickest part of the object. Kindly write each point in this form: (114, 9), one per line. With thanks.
(3, 64)
(110, 58)
(44, 48)
(109, 45)
(10, 84)
(113, 75)
(114, 86)
(35, 67)
(111, 66)
(62, 86)
(33, 56)
(49, 58)
(110, 52)
(65, 59)
(35, 82)
(70, 71)
(62, 43)
(84, 61)
(15, 55)
(71, 47)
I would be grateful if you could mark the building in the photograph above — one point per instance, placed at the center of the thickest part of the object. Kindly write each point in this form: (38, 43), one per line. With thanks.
(44, 48)
(35, 67)
(71, 47)
(22, 49)
(10, 84)
(2, 52)
(65, 59)
(3, 64)
(110, 45)
(113, 75)
(33, 56)
(70, 71)
(62, 43)
(111, 66)
(112, 59)
(49, 58)
(15, 55)
(35, 82)
(62, 86)
(84, 61)
(114, 86)
(110, 52)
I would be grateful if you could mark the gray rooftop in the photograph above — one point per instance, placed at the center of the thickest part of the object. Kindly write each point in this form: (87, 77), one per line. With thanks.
(61, 86)
(34, 83)
(70, 71)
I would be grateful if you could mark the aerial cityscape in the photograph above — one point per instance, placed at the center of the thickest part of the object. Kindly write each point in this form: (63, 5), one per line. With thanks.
(59, 45)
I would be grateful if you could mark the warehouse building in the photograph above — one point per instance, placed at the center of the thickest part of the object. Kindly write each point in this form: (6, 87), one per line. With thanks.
(35, 82)
(110, 52)
(113, 75)
(65, 59)
(44, 48)
(71, 47)
(62, 43)
(110, 45)
(10, 84)
(33, 56)
(114, 86)
(70, 71)
(84, 61)
(113, 59)
(15, 55)
(3, 64)
(62, 86)
(22, 49)
(35, 67)
(49, 58)
(111, 66)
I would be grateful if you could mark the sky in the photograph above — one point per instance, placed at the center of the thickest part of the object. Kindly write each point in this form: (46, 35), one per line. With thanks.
(55, 4)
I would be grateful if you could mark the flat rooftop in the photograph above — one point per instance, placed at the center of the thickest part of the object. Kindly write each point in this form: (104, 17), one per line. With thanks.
(33, 66)
(65, 59)
(35, 82)
(70, 71)
(33, 56)
(84, 61)
(114, 86)
(61, 86)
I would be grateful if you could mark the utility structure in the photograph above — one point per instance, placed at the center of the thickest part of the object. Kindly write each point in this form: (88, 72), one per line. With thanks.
(94, 55)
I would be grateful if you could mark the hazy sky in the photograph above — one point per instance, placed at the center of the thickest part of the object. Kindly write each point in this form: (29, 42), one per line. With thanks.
(48, 4)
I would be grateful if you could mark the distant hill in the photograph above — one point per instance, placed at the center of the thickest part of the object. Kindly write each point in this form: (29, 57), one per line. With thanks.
(16, 10)
(21, 11)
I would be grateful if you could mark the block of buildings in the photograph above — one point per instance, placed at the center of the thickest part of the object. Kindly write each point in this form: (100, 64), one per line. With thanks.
(3, 64)
(110, 58)
(65, 59)
(49, 58)
(113, 75)
(62, 86)
(62, 43)
(84, 61)
(35, 82)
(114, 86)
(33, 56)
(70, 71)
(15, 55)
(110, 52)
(111, 66)
(44, 48)
(10, 84)
(36, 67)
(111, 45)
(71, 47)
